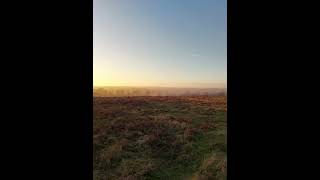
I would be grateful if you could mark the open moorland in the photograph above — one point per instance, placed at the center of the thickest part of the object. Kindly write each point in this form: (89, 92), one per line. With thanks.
(158, 137)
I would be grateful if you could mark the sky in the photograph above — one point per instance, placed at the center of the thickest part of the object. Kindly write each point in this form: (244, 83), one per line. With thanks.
(160, 43)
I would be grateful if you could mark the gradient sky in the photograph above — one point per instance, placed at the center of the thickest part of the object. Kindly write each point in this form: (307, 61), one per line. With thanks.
(159, 42)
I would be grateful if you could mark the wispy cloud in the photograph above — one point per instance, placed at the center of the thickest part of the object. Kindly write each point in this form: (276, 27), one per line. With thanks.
(195, 55)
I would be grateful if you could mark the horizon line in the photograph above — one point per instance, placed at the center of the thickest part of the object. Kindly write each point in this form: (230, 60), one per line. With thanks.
(143, 86)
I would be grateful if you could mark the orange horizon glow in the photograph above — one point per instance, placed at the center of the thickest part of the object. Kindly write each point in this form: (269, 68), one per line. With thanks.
(173, 85)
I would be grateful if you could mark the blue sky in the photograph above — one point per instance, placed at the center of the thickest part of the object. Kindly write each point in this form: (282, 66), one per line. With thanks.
(160, 42)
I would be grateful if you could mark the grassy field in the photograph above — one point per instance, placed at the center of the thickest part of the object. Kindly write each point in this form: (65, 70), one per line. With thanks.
(160, 138)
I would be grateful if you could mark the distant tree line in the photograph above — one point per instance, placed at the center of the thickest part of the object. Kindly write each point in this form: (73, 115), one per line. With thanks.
(112, 92)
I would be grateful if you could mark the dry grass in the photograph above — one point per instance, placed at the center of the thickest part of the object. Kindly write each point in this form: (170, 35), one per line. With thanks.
(159, 137)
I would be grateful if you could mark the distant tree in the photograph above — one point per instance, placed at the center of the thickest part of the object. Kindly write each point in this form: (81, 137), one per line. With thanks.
(128, 92)
(167, 93)
(187, 93)
(111, 93)
(120, 92)
(135, 92)
(147, 93)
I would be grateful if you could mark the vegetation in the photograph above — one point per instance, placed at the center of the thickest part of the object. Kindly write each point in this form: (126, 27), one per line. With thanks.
(160, 137)
(116, 91)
